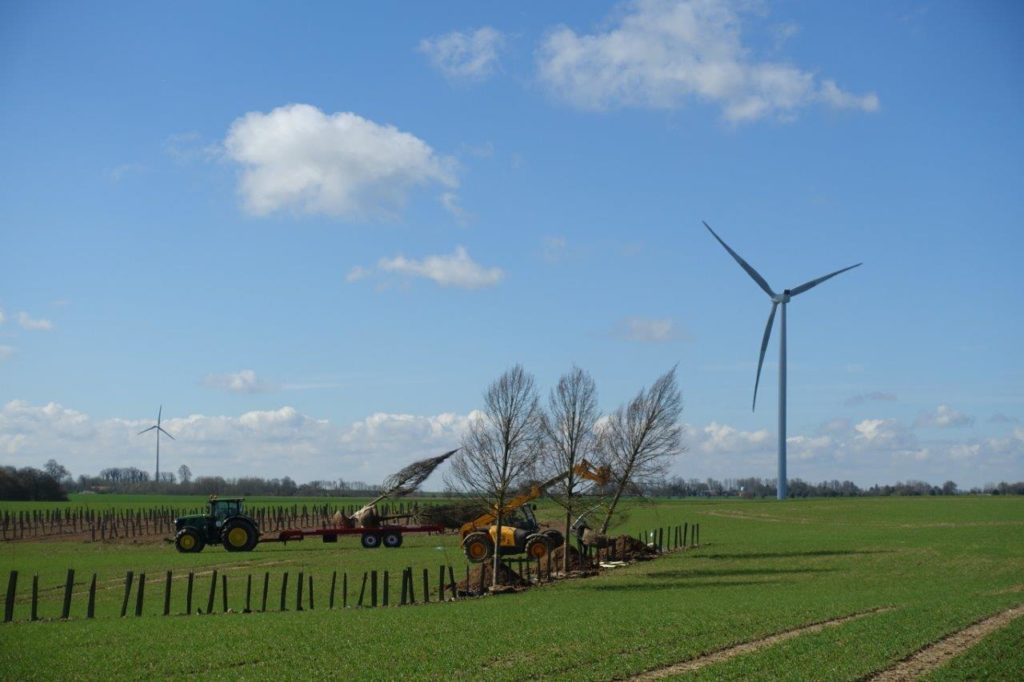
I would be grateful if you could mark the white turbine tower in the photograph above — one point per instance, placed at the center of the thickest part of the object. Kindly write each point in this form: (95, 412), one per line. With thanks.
(159, 430)
(777, 300)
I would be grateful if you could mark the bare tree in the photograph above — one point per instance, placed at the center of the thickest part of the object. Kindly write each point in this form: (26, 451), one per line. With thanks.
(569, 436)
(641, 437)
(185, 474)
(500, 448)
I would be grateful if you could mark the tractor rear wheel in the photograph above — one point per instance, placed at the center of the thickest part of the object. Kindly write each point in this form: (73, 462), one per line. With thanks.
(478, 547)
(537, 547)
(370, 540)
(555, 539)
(239, 536)
(393, 539)
(188, 540)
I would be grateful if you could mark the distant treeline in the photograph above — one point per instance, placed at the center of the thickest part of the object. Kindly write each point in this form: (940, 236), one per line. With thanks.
(54, 482)
(29, 484)
(765, 487)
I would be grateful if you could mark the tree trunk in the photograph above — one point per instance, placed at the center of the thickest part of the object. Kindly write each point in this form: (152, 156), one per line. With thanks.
(565, 547)
(497, 550)
(611, 508)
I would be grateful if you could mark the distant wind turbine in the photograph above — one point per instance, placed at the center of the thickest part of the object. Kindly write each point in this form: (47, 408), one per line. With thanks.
(159, 430)
(777, 299)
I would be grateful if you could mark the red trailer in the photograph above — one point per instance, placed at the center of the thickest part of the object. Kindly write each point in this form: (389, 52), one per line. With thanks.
(371, 538)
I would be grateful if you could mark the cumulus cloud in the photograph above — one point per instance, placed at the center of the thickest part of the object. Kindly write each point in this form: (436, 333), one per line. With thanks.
(718, 438)
(660, 54)
(298, 157)
(943, 417)
(469, 55)
(244, 381)
(648, 330)
(457, 269)
(34, 323)
(874, 396)
(270, 443)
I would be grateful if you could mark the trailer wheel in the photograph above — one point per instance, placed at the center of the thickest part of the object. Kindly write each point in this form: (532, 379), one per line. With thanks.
(478, 547)
(370, 540)
(393, 539)
(188, 541)
(239, 536)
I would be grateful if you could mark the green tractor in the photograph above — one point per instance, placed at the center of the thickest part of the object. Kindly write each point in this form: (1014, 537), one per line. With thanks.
(226, 523)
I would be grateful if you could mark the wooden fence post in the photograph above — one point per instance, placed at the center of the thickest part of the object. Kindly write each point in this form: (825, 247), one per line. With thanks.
(90, 608)
(310, 591)
(140, 595)
(224, 591)
(35, 597)
(213, 593)
(426, 586)
(248, 594)
(128, 578)
(405, 591)
(362, 590)
(167, 594)
(386, 586)
(330, 599)
(373, 589)
(451, 579)
(412, 588)
(298, 591)
(188, 594)
(266, 588)
(440, 583)
(344, 590)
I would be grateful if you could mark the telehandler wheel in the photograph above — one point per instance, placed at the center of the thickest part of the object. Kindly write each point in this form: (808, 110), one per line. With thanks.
(370, 540)
(188, 541)
(478, 547)
(537, 547)
(554, 538)
(239, 536)
(392, 539)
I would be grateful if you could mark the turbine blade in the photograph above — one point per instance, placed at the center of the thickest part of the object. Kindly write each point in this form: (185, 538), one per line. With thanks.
(144, 430)
(754, 274)
(162, 430)
(815, 282)
(158, 413)
(764, 347)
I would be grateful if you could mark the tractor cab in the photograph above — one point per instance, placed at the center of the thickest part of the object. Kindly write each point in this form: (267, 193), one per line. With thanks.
(221, 509)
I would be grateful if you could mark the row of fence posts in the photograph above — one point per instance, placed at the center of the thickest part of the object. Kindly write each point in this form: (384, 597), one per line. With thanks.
(379, 584)
(678, 537)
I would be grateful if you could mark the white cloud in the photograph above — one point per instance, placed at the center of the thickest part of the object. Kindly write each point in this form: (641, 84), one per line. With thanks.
(297, 157)
(457, 269)
(471, 55)
(244, 381)
(3, 318)
(718, 438)
(944, 417)
(269, 443)
(6, 352)
(662, 53)
(648, 330)
(34, 324)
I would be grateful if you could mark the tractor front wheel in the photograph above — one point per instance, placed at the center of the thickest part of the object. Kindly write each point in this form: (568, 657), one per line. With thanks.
(239, 536)
(478, 547)
(189, 541)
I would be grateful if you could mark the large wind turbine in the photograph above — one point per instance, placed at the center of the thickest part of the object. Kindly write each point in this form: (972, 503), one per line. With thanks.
(159, 430)
(777, 300)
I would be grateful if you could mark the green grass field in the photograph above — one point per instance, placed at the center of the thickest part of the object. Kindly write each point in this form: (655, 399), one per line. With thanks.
(931, 566)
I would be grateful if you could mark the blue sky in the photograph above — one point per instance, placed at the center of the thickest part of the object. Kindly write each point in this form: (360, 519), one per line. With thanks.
(315, 236)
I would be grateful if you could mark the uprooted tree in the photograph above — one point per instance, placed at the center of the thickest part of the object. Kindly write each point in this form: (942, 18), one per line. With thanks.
(639, 439)
(569, 437)
(500, 447)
